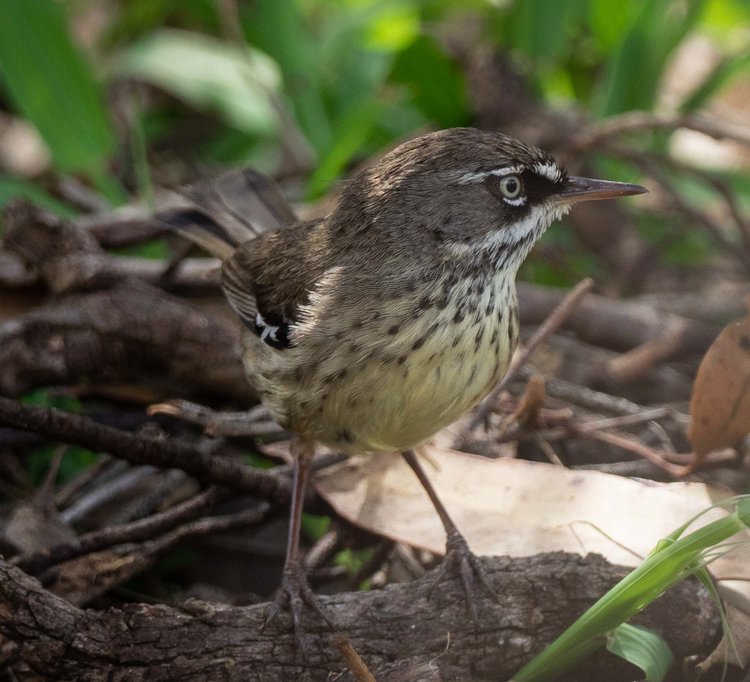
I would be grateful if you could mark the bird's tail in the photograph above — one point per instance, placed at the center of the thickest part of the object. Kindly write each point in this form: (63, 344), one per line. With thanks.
(221, 213)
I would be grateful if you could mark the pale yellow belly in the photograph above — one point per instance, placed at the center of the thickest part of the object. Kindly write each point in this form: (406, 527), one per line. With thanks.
(394, 391)
(397, 402)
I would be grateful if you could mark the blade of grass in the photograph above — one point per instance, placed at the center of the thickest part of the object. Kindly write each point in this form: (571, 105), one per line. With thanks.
(635, 70)
(672, 560)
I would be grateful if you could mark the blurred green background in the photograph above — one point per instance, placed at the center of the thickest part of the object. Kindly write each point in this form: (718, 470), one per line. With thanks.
(125, 95)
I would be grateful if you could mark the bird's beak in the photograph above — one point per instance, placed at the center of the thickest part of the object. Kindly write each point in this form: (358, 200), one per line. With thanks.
(586, 189)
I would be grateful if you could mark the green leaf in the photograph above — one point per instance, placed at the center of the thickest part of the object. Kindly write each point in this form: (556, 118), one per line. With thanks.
(541, 28)
(52, 85)
(635, 70)
(720, 75)
(234, 83)
(643, 648)
(673, 559)
(351, 133)
(11, 188)
(435, 82)
(277, 27)
(315, 527)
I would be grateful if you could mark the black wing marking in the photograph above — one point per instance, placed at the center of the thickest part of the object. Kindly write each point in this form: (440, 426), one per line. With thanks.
(275, 335)
(270, 327)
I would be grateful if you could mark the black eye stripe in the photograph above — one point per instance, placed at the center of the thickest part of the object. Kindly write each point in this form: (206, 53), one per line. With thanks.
(538, 187)
(535, 188)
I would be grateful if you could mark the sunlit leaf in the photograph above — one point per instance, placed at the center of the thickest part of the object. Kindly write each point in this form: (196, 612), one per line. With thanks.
(211, 75)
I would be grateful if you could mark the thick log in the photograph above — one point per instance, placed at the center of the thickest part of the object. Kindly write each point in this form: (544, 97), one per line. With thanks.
(400, 632)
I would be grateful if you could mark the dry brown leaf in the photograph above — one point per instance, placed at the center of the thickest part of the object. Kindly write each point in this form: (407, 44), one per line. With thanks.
(720, 407)
(519, 508)
(734, 647)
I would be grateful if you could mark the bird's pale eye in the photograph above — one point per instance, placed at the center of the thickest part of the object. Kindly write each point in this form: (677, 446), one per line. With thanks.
(511, 187)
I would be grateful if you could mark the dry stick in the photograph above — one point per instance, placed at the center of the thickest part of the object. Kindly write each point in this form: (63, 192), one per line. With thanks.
(357, 666)
(592, 135)
(639, 449)
(649, 164)
(66, 493)
(557, 432)
(139, 449)
(138, 531)
(553, 321)
(205, 526)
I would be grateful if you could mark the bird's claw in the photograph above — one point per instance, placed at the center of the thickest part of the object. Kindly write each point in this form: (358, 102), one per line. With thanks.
(460, 561)
(294, 595)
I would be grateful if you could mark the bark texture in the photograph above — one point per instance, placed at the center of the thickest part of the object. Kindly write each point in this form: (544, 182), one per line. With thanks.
(400, 632)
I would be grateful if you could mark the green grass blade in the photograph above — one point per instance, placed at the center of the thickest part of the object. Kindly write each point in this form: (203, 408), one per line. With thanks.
(727, 69)
(634, 72)
(675, 559)
(53, 86)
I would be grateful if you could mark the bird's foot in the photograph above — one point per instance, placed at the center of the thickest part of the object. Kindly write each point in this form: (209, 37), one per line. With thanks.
(293, 596)
(461, 562)
(254, 422)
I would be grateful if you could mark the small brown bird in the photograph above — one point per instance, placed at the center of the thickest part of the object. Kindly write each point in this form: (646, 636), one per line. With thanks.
(373, 328)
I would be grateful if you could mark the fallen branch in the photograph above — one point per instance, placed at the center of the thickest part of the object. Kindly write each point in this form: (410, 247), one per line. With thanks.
(141, 449)
(399, 632)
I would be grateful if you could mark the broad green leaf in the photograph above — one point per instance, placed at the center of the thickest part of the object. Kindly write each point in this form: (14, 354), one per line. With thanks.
(435, 82)
(643, 648)
(209, 74)
(53, 86)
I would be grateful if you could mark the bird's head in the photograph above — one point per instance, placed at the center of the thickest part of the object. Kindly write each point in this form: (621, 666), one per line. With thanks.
(463, 190)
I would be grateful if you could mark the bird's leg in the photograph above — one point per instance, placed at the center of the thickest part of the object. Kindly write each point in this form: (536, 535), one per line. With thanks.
(458, 557)
(295, 592)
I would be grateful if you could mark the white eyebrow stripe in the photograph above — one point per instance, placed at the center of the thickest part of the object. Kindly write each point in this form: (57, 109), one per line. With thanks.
(549, 170)
(478, 176)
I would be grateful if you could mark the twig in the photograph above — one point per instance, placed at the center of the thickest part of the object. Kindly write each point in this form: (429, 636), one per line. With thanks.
(639, 449)
(138, 531)
(65, 494)
(649, 164)
(162, 453)
(553, 321)
(357, 666)
(592, 135)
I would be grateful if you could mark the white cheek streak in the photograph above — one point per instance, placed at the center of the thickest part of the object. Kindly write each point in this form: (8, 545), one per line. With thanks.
(535, 222)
